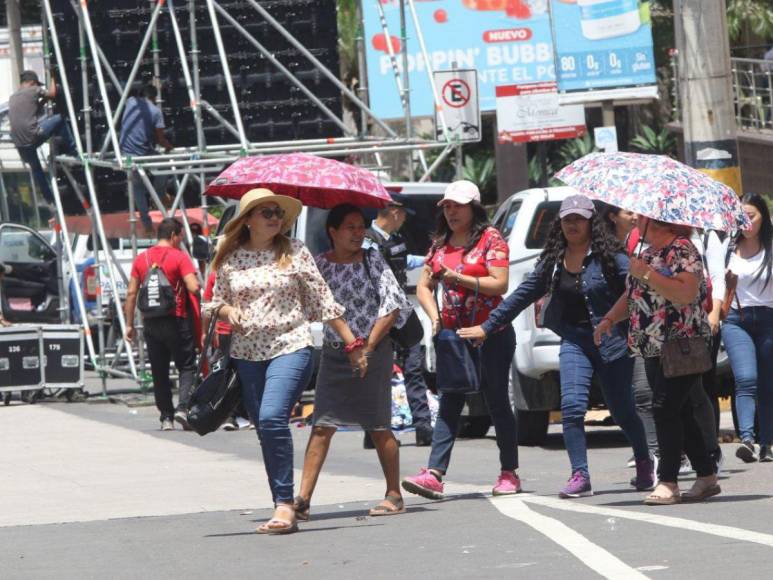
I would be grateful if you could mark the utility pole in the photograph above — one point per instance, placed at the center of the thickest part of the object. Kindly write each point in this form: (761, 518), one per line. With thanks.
(705, 89)
(13, 15)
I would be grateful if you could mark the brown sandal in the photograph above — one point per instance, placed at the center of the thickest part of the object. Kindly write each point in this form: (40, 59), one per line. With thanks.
(391, 506)
(701, 490)
(302, 509)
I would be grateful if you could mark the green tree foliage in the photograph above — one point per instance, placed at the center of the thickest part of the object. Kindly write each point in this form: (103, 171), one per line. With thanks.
(659, 143)
(755, 16)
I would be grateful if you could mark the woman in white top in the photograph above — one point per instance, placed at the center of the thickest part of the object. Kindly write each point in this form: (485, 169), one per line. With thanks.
(269, 289)
(748, 330)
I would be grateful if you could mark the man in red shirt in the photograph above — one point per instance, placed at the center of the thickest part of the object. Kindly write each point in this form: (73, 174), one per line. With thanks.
(167, 337)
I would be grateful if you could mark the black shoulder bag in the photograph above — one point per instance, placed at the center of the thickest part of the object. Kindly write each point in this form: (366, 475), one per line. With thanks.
(216, 396)
(409, 334)
(457, 361)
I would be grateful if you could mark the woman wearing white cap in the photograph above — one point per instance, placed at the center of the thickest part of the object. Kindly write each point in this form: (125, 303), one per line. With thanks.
(471, 259)
(269, 289)
(582, 272)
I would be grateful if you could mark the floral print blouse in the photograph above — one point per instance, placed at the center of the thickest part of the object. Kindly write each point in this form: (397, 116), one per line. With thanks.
(459, 302)
(652, 317)
(367, 294)
(278, 305)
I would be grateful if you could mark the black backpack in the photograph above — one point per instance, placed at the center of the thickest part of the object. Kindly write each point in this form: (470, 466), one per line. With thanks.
(157, 297)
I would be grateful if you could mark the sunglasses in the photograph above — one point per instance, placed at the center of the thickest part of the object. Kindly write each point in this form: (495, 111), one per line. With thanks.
(268, 213)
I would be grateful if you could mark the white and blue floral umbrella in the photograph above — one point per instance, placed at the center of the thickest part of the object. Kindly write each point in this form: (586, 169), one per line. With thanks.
(658, 187)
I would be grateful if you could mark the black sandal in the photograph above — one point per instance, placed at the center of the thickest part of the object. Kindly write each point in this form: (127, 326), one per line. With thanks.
(302, 509)
(391, 506)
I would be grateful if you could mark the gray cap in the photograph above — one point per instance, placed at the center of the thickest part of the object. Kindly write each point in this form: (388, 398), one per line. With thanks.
(578, 204)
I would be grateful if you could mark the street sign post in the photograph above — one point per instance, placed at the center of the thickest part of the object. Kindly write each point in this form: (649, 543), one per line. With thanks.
(459, 104)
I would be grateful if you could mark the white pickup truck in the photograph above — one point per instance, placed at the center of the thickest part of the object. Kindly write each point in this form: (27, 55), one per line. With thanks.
(525, 219)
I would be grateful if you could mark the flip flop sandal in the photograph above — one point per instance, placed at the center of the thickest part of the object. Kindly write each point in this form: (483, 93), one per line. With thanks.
(653, 499)
(701, 495)
(302, 509)
(285, 527)
(396, 506)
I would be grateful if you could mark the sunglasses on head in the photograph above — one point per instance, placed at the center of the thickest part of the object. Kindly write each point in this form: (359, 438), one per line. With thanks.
(268, 212)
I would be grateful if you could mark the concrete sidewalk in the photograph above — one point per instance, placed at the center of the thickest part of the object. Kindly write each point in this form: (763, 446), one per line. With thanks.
(58, 467)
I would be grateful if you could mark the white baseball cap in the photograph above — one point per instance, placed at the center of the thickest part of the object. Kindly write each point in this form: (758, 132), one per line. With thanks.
(462, 192)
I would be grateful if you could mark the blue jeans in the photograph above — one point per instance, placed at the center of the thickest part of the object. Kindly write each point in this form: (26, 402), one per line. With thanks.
(749, 345)
(270, 389)
(51, 126)
(496, 357)
(578, 359)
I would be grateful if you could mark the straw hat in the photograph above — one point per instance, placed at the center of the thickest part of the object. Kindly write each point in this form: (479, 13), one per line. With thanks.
(255, 197)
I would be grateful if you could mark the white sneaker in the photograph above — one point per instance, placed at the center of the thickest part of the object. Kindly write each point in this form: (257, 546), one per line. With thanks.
(167, 425)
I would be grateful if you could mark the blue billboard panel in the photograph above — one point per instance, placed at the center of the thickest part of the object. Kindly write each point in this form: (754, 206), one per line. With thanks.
(602, 44)
(507, 41)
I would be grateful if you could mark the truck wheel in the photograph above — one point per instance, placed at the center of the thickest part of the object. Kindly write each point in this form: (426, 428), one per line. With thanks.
(473, 427)
(532, 427)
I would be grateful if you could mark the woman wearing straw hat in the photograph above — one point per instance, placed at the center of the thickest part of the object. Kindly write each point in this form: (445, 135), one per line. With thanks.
(270, 290)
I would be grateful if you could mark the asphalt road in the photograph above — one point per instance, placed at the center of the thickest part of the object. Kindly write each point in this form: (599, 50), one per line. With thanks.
(95, 490)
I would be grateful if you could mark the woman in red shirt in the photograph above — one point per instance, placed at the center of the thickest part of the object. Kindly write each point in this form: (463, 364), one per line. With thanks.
(468, 252)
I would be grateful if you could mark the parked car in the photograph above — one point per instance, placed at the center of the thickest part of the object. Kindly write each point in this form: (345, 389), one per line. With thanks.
(525, 219)
(31, 290)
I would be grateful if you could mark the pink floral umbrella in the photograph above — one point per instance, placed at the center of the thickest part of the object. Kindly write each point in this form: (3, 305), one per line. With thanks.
(658, 187)
(315, 181)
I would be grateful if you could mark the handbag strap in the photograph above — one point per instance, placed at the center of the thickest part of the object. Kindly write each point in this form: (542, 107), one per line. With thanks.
(208, 340)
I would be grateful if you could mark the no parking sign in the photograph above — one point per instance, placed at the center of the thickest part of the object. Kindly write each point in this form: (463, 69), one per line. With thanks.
(458, 103)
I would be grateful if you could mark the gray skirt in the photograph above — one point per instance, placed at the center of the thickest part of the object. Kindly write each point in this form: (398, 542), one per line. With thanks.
(343, 399)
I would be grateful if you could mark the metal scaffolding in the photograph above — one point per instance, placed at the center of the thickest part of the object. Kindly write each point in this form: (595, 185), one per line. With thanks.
(201, 161)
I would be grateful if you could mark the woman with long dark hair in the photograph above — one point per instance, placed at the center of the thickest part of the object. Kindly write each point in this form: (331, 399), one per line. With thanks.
(748, 330)
(363, 283)
(470, 259)
(582, 272)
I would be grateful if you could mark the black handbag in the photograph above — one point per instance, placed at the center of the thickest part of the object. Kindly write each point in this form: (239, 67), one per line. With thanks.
(457, 361)
(409, 334)
(215, 397)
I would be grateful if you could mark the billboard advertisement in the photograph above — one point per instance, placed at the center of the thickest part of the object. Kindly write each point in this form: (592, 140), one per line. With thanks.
(509, 42)
(602, 44)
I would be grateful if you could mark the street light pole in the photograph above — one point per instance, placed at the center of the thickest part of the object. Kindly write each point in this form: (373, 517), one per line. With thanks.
(13, 15)
(705, 87)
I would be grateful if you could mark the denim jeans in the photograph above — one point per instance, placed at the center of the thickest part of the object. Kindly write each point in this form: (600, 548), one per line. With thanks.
(415, 386)
(749, 345)
(270, 389)
(642, 393)
(170, 338)
(48, 127)
(496, 357)
(578, 359)
(141, 195)
(674, 410)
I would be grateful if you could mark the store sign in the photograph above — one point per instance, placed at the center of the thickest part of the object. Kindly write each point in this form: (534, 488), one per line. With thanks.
(599, 44)
(528, 113)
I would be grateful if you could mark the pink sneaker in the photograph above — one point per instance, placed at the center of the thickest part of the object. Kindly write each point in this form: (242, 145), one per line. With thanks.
(425, 484)
(507, 484)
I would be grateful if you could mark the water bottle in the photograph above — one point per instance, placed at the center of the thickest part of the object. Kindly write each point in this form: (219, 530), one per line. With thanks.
(600, 19)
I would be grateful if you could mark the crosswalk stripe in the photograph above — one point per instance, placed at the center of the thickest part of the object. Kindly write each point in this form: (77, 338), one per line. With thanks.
(592, 555)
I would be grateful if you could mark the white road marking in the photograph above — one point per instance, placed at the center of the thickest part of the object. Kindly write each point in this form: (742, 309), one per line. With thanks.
(727, 532)
(595, 557)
